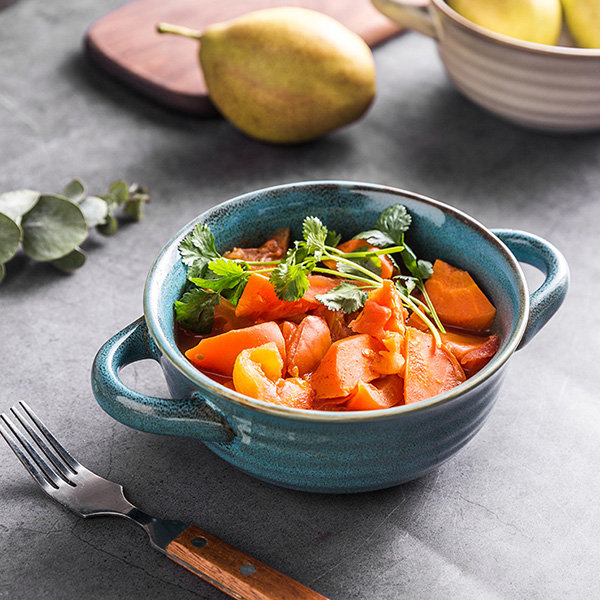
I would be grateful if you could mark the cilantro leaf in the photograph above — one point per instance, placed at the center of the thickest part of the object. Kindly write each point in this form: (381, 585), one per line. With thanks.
(196, 310)
(346, 297)
(315, 236)
(421, 269)
(198, 247)
(290, 281)
(389, 228)
(223, 274)
(332, 239)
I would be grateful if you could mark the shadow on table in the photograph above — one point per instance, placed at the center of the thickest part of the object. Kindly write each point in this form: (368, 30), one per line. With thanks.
(208, 150)
(455, 144)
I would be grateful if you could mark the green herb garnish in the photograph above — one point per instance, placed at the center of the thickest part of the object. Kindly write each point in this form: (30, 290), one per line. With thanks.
(50, 227)
(359, 271)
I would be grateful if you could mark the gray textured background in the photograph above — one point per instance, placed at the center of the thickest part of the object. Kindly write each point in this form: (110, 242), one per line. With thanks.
(514, 515)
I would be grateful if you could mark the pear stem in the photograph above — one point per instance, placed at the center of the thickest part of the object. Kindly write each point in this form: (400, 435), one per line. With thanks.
(179, 30)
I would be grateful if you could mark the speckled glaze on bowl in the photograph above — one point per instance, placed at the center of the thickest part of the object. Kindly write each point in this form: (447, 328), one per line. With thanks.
(330, 451)
(549, 88)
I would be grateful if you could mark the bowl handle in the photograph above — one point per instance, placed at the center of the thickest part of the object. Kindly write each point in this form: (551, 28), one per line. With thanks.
(413, 14)
(191, 417)
(538, 252)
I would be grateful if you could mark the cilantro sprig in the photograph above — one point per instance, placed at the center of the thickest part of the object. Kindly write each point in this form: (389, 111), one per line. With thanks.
(211, 276)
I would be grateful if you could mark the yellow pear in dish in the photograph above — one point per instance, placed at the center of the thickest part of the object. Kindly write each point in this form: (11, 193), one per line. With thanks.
(530, 20)
(583, 20)
(285, 75)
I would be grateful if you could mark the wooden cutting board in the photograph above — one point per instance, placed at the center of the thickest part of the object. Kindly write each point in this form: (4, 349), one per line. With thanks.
(165, 67)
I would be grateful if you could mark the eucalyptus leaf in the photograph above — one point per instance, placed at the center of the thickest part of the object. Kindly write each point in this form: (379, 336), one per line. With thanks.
(135, 208)
(71, 261)
(95, 210)
(119, 190)
(10, 236)
(52, 228)
(16, 203)
(109, 227)
(2, 272)
(74, 191)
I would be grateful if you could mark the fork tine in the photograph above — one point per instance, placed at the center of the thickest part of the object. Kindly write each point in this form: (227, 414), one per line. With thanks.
(75, 466)
(35, 456)
(39, 477)
(64, 470)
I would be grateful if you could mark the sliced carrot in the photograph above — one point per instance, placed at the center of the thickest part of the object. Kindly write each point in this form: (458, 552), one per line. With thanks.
(383, 302)
(347, 362)
(381, 393)
(336, 321)
(372, 319)
(294, 392)
(474, 360)
(318, 284)
(310, 343)
(218, 353)
(259, 300)
(429, 370)
(458, 300)
(387, 266)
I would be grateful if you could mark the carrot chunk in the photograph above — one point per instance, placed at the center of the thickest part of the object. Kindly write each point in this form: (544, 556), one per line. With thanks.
(259, 300)
(458, 300)
(475, 359)
(429, 370)
(381, 393)
(347, 362)
(310, 343)
(383, 312)
(218, 353)
(294, 392)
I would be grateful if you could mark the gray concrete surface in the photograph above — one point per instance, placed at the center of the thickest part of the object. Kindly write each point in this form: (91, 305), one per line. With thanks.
(515, 515)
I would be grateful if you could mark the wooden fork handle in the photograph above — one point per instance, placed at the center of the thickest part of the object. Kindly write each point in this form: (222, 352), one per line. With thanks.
(235, 573)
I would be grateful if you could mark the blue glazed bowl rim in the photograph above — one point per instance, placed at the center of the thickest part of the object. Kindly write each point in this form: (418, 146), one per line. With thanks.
(178, 360)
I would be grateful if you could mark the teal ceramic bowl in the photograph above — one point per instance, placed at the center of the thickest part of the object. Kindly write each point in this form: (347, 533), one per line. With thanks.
(330, 451)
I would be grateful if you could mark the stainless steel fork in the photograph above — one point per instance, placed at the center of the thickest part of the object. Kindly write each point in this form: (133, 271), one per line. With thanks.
(89, 495)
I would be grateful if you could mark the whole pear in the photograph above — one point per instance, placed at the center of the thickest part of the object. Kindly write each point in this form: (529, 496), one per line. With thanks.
(530, 20)
(583, 20)
(285, 75)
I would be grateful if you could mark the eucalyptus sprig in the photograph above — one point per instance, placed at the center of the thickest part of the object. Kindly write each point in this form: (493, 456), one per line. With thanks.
(51, 227)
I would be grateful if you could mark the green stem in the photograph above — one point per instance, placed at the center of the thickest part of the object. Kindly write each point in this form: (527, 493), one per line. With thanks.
(356, 266)
(436, 334)
(432, 310)
(261, 271)
(365, 253)
(343, 275)
(260, 262)
(179, 30)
